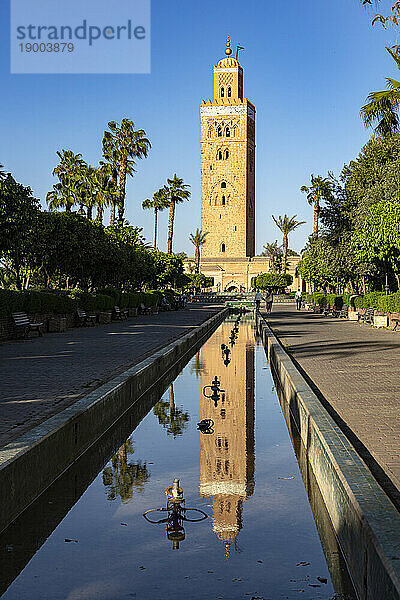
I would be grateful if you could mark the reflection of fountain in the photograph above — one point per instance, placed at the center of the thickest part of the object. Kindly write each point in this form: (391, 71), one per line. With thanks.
(227, 457)
(177, 513)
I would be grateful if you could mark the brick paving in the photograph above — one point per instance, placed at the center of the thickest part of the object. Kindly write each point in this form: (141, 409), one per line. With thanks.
(355, 371)
(42, 376)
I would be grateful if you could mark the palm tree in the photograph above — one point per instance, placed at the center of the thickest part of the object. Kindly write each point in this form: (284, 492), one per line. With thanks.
(121, 477)
(105, 192)
(111, 165)
(177, 193)
(382, 106)
(128, 145)
(172, 419)
(67, 192)
(320, 188)
(286, 225)
(198, 239)
(159, 202)
(3, 174)
(272, 251)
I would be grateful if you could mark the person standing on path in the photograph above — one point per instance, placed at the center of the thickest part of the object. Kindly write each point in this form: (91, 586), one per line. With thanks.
(257, 300)
(299, 298)
(269, 298)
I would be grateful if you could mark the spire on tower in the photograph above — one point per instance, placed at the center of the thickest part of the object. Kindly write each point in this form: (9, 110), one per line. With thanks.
(228, 50)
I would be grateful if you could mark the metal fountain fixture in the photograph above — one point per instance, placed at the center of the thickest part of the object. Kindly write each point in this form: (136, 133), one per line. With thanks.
(177, 514)
(206, 426)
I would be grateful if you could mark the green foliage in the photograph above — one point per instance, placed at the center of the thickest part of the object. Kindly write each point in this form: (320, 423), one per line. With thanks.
(168, 268)
(273, 280)
(198, 281)
(369, 300)
(390, 303)
(34, 302)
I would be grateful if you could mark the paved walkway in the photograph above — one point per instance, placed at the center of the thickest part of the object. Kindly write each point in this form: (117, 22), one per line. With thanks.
(355, 371)
(42, 376)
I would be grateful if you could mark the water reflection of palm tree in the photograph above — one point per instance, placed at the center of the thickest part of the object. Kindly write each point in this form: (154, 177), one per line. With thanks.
(196, 367)
(171, 418)
(122, 477)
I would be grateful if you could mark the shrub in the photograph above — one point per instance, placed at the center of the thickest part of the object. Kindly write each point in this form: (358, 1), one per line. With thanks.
(390, 303)
(369, 300)
(273, 280)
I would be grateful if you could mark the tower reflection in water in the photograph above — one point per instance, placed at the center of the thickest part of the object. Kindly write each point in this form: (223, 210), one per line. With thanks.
(227, 456)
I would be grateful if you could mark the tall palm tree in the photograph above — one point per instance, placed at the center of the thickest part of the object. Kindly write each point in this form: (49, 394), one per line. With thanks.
(198, 239)
(67, 192)
(177, 192)
(286, 225)
(129, 145)
(111, 165)
(105, 192)
(159, 202)
(320, 188)
(382, 107)
(272, 251)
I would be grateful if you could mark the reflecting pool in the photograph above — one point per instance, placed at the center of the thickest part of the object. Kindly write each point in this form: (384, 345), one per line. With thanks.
(85, 537)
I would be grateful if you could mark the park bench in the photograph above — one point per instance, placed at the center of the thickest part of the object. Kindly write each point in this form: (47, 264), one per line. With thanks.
(395, 318)
(328, 310)
(144, 310)
(368, 316)
(164, 304)
(344, 312)
(24, 326)
(83, 318)
(120, 314)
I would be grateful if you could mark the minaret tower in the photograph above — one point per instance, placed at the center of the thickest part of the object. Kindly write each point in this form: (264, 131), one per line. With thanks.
(228, 166)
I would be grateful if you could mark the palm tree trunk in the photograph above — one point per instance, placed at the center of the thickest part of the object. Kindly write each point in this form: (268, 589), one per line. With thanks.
(114, 178)
(284, 251)
(99, 217)
(171, 225)
(171, 400)
(89, 212)
(316, 215)
(155, 228)
(122, 188)
(197, 259)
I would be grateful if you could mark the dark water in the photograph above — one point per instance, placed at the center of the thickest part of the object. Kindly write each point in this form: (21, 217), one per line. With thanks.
(260, 540)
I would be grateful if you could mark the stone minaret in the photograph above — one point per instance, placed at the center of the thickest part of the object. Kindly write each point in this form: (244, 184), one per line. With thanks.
(228, 165)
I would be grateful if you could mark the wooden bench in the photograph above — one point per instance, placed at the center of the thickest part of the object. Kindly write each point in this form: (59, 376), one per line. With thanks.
(120, 314)
(144, 310)
(24, 326)
(395, 318)
(341, 313)
(368, 316)
(84, 318)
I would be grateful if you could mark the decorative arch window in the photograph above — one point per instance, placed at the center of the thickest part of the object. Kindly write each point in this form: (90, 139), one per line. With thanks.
(223, 185)
(227, 132)
(229, 92)
(219, 155)
(222, 247)
(226, 156)
(210, 131)
(222, 92)
(223, 201)
(235, 228)
(234, 130)
(219, 131)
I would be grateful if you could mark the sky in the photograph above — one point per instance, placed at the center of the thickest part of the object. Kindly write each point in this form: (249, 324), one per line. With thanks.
(308, 67)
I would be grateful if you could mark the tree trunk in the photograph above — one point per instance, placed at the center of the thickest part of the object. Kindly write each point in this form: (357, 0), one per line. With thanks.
(171, 400)
(90, 212)
(197, 259)
(112, 215)
(122, 188)
(114, 178)
(99, 217)
(363, 285)
(316, 215)
(397, 280)
(155, 228)
(284, 251)
(171, 225)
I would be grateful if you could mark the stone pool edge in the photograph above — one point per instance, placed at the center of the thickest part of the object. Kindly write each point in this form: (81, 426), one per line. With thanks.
(365, 521)
(29, 464)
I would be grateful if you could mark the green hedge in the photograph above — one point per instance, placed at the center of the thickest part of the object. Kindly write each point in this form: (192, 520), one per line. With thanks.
(63, 302)
(369, 300)
(390, 303)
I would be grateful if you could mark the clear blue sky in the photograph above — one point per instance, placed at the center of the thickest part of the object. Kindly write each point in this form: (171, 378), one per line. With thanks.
(308, 67)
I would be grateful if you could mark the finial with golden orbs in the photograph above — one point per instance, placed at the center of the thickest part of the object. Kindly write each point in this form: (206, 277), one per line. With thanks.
(228, 50)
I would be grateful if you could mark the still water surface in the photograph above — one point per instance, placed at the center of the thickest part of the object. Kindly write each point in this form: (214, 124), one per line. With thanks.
(259, 541)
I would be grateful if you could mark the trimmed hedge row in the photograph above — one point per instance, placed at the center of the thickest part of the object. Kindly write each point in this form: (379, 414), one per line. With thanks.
(376, 300)
(67, 301)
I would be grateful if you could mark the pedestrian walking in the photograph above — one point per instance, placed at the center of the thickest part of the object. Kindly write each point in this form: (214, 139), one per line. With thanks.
(257, 300)
(299, 299)
(269, 298)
